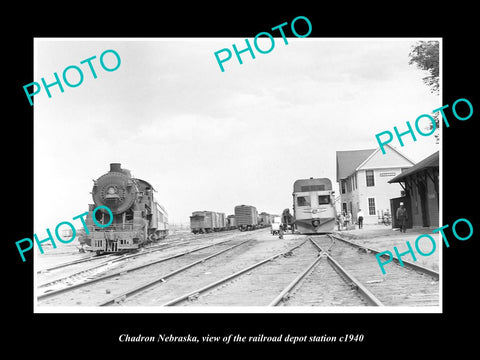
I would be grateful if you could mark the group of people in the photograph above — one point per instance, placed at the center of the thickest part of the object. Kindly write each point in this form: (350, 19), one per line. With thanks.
(344, 218)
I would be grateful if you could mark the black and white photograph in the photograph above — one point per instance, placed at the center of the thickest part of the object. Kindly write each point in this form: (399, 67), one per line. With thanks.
(262, 180)
(210, 190)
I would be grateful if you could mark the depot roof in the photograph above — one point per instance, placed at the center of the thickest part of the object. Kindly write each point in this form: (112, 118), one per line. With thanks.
(430, 162)
(348, 161)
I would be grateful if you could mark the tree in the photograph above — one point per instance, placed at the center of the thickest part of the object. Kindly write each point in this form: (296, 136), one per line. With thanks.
(425, 55)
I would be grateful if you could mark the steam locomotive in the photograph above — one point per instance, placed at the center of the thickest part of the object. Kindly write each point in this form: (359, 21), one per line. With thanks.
(137, 217)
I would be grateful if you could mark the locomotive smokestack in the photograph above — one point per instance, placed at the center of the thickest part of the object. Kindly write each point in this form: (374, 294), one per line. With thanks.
(115, 167)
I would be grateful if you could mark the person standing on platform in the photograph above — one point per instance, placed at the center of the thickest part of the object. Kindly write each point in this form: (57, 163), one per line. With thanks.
(360, 218)
(348, 218)
(340, 221)
(402, 218)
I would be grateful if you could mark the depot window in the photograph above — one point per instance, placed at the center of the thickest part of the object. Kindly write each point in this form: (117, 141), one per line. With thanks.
(323, 199)
(303, 201)
(371, 206)
(370, 178)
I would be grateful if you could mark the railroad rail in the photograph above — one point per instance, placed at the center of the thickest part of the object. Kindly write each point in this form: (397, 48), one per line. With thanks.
(285, 294)
(88, 270)
(73, 262)
(359, 281)
(174, 240)
(403, 286)
(195, 293)
(348, 277)
(353, 283)
(163, 278)
(136, 268)
(406, 263)
(119, 258)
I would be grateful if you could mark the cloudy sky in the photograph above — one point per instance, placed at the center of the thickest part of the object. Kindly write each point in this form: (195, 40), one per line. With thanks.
(210, 140)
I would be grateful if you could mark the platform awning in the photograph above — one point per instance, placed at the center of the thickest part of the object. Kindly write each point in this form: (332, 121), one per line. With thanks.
(430, 162)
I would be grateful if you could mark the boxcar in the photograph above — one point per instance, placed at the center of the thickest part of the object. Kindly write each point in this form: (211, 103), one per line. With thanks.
(246, 217)
(207, 221)
(231, 224)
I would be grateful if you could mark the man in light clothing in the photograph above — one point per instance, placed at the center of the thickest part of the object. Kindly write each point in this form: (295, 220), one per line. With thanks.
(360, 218)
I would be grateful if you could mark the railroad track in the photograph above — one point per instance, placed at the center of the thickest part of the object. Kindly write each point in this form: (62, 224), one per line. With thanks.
(270, 281)
(84, 269)
(411, 285)
(325, 283)
(320, 285)
(113, 285)
(408, 264)
(53, 279)
(220, 293)
(317, 271)
(73, 262)
(175, 240)
(187, 279)
(112, 261)
(334, 283)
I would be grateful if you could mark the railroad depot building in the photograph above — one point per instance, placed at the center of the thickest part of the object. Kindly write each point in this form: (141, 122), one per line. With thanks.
(421, 186)
(363, 177)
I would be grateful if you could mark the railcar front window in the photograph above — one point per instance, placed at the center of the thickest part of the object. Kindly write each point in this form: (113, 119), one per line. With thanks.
(323, 199)
(303, 201)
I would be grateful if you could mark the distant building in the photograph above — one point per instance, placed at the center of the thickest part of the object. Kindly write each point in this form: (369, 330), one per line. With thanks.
(363, 177)
(421, 187)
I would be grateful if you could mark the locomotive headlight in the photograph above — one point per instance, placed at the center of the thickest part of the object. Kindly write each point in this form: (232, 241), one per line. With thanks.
(111, 192)
(315, 223)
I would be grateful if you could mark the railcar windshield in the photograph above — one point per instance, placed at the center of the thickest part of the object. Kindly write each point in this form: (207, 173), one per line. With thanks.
(303, 201)
(323, 199)
(315, 187)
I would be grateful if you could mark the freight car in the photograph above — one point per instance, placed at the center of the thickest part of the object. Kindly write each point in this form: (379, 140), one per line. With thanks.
(246, 217)
(231, 224)
(314, 206)
(265, 219)
(207, 221)
(137, 217)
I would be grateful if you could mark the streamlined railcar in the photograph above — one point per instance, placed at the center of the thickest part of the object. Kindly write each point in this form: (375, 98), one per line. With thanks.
(314, 206)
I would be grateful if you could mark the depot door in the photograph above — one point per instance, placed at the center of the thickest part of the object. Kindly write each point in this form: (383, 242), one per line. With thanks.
(395, 204)
(422, 191)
